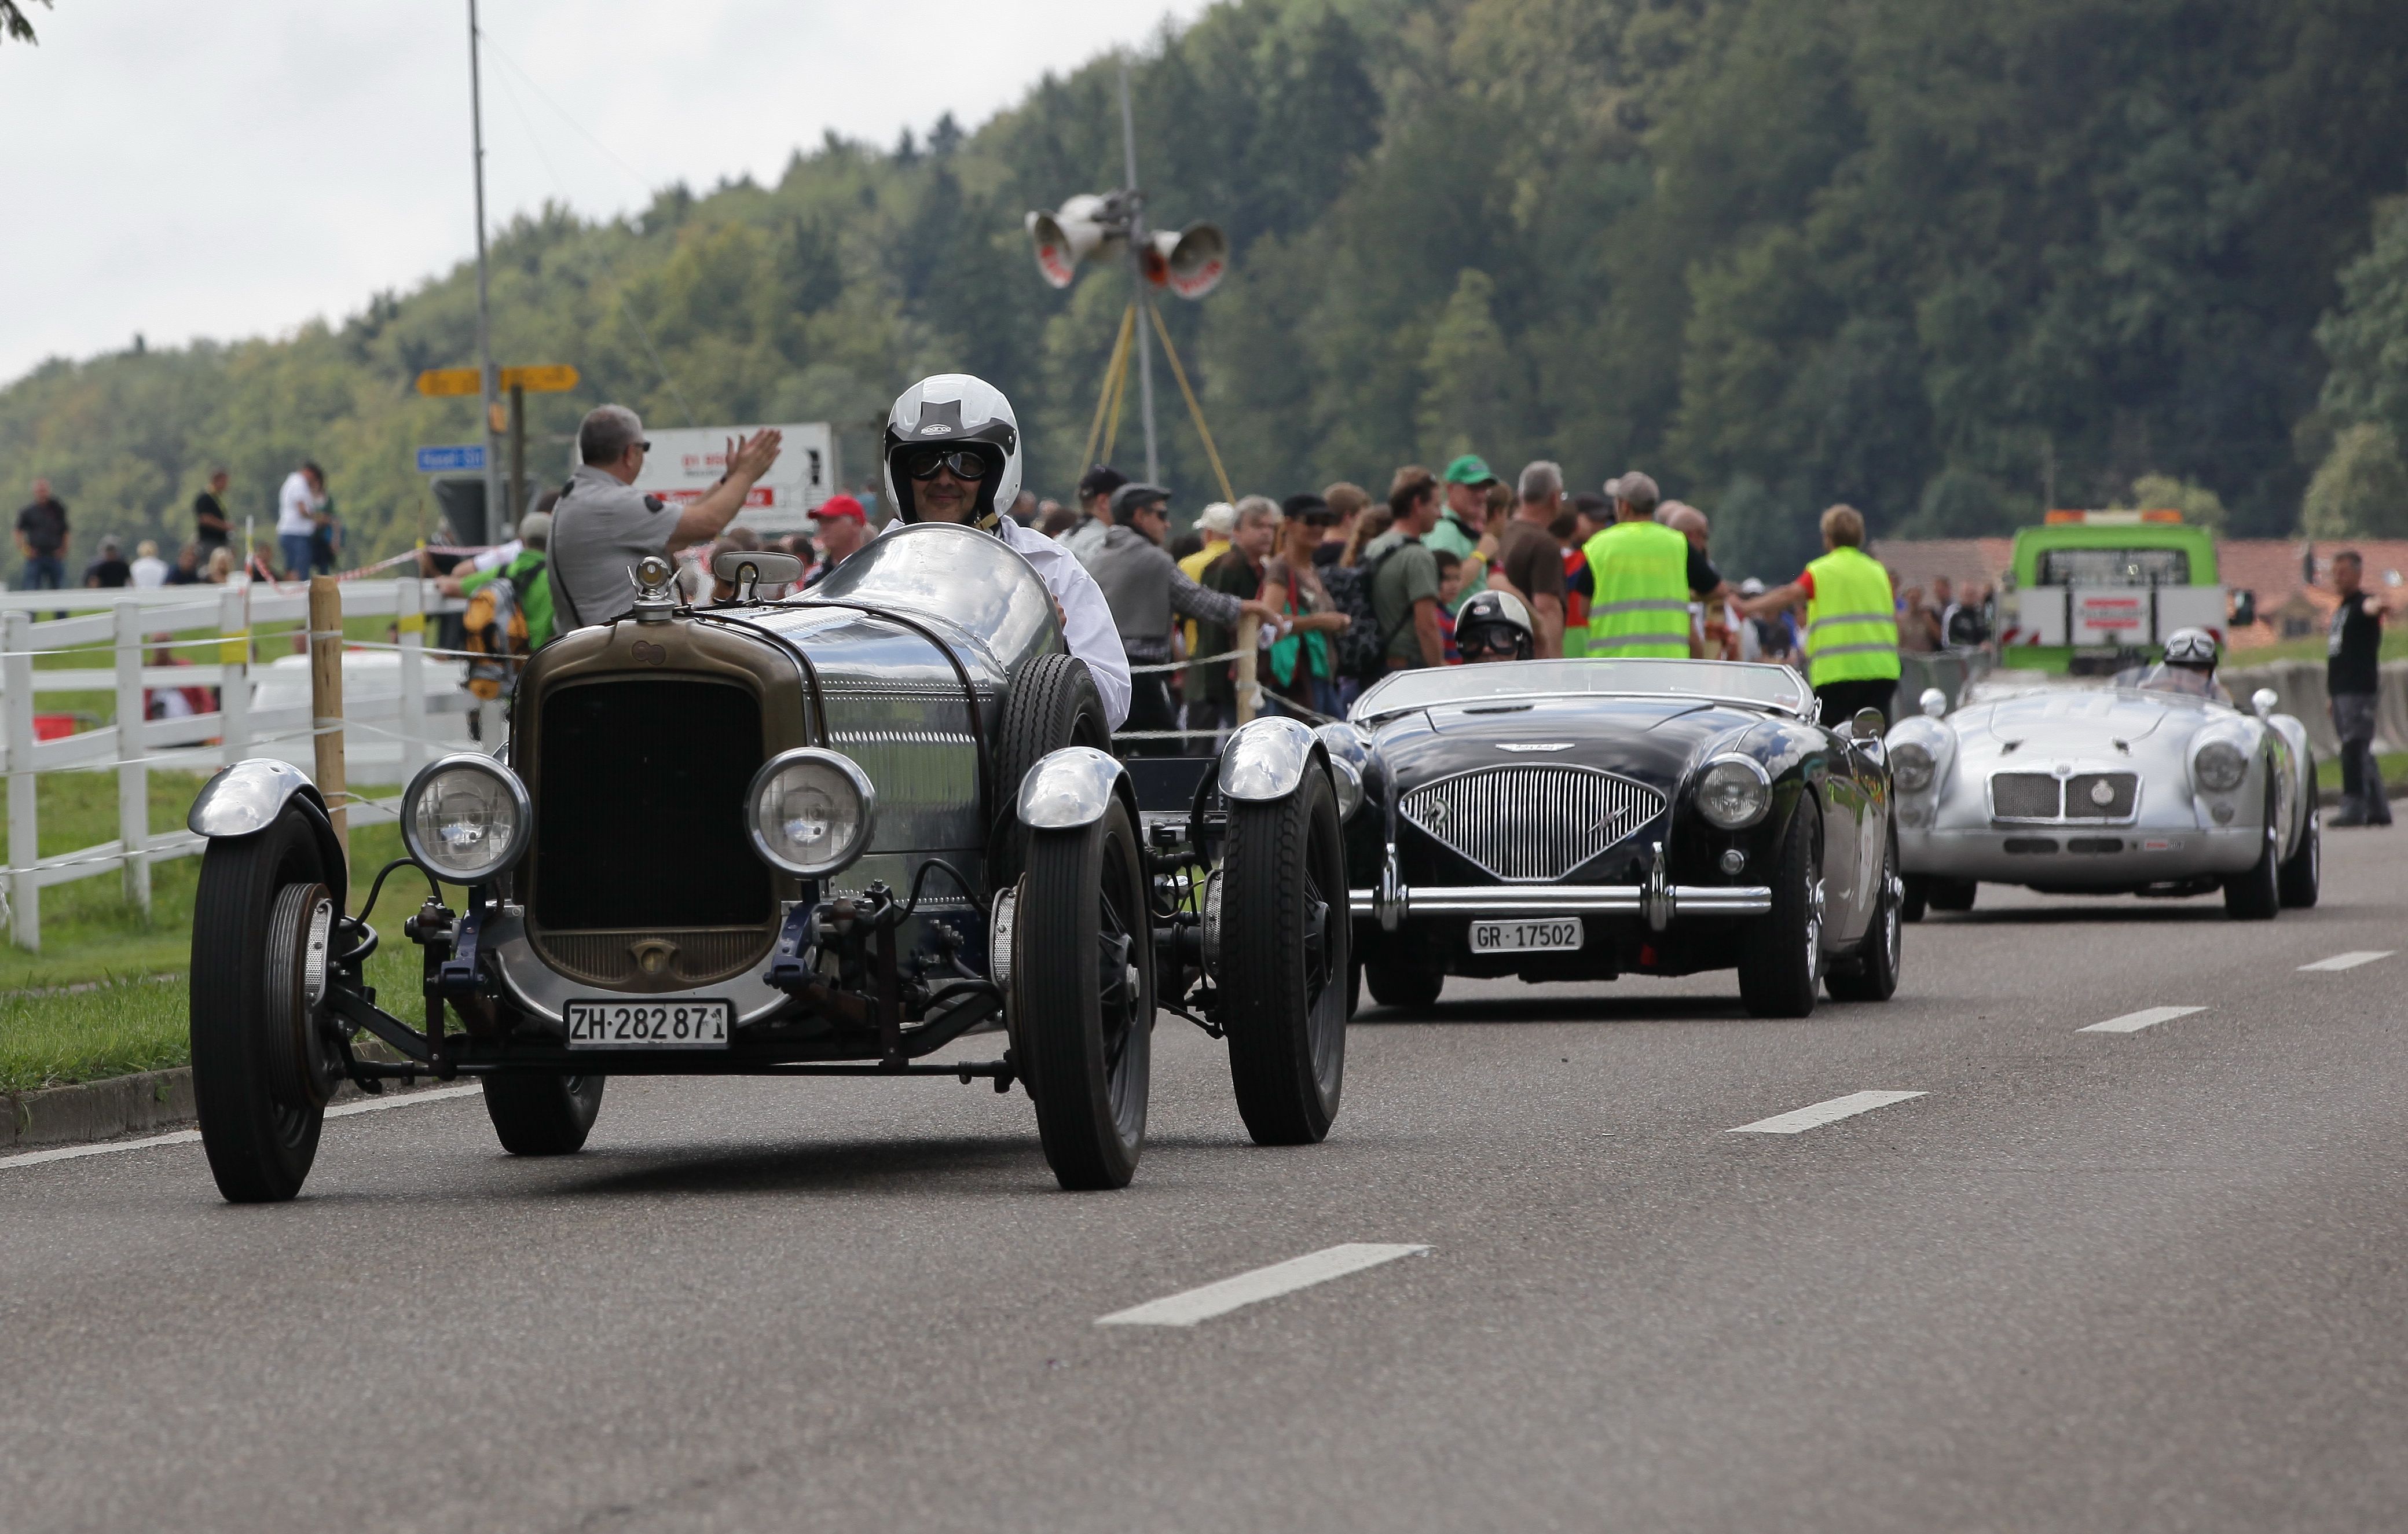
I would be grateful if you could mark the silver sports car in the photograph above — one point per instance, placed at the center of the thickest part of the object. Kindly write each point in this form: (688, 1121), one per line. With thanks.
(2133, 788)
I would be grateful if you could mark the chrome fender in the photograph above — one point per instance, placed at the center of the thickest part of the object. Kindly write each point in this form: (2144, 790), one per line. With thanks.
(1072, 787)
(1264, 760)
(246, 798)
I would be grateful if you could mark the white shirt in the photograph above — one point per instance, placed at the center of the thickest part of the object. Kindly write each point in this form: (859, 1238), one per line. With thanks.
(294, 503)
(149, 571)
(494, 559)
(1087, 617)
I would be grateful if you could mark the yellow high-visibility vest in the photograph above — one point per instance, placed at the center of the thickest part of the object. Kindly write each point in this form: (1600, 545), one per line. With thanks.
(1641, 608)
(1851, 620)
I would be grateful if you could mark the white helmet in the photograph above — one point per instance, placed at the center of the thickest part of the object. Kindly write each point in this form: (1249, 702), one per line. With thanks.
(2191, 647)
(954, 409)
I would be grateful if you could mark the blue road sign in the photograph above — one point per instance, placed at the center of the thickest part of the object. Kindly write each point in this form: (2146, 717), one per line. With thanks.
(468, 458)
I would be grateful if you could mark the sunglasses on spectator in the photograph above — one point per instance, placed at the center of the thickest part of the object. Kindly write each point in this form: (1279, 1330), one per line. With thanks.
(965, 463)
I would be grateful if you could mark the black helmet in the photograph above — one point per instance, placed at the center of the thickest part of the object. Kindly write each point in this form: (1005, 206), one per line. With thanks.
(954, 409)
(1495, 620)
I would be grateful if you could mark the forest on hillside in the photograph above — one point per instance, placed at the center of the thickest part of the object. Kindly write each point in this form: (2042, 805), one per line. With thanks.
(1947, 262)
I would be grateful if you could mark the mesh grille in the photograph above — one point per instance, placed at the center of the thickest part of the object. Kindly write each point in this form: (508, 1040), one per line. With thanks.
(696, 958)
(1529, 824)
(2023, 795)
(2083, 796)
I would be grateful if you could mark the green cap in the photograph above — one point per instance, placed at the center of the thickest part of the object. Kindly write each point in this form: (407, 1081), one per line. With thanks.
(1469, 469)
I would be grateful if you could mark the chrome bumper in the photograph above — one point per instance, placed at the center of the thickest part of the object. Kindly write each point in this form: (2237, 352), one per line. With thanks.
(1394, 902)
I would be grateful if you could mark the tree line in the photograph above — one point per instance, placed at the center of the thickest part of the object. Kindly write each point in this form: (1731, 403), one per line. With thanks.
(1950, 263)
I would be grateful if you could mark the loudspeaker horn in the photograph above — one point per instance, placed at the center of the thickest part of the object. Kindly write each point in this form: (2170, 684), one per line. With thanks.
(1190, 263)
(1073, 233)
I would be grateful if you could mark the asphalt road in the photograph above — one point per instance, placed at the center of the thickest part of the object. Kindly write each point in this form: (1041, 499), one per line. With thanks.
(2147, 1279)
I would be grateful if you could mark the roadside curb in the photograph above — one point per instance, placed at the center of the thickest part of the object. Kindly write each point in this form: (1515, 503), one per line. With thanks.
(140, 1104)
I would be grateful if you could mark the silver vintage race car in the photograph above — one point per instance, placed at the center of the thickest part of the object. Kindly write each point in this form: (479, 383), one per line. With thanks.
(2149, 786)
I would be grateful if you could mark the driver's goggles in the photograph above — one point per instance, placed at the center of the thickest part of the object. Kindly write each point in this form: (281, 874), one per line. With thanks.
(1490, 644)
(965, 463)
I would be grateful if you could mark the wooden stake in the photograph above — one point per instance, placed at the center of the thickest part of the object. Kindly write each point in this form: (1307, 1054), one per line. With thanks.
(326, 699)
(1250, 629)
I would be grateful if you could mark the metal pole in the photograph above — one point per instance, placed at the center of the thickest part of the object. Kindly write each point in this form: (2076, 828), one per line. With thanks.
(496, 514)
(1137, 279)
(518, 496)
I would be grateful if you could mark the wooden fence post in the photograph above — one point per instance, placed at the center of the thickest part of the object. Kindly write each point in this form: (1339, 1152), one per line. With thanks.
(24, 840)
(409, 623)
(326, 699)
(233, 657)
(133, 777)
(1250, 629)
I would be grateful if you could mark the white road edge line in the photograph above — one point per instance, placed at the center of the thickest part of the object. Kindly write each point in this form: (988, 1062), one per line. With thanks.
(1799, 1120)
(1190, 1306)
(192, 1137)
(2350, 960)
(2149, 1017)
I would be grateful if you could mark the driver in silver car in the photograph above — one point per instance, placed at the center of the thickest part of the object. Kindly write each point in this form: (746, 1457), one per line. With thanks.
(953, 454)
(2188, 668)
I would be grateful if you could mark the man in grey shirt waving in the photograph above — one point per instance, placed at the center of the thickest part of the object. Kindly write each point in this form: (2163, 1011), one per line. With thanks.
(603, 524)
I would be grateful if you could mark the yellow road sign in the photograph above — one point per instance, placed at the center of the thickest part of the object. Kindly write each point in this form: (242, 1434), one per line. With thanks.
(549, 379)
(440, 381)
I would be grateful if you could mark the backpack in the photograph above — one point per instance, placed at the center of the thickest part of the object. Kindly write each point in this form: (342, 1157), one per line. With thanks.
(1363, 648)
(498, 635)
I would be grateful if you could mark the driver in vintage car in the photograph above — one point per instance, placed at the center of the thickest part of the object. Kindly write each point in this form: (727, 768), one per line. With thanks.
(2188, 668)
(1495, 626)
(953, 454)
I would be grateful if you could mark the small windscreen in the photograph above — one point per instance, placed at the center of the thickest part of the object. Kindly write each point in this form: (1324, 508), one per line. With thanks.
(2114, 568)
(1773, 686)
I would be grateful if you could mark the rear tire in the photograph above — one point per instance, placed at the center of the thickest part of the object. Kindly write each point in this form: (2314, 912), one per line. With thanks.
(1052, 703)
(2257, 894)
(1409, 986)
(1781, 956)
(1871, 974)
(1952, 894)
(543, 1115)
(261, 1143)
(2302, 874)
(1284, 963)
(1087, 1035)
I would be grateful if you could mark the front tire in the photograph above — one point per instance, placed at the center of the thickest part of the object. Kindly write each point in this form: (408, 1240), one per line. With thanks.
(1781, 957)
(543, 1115)
(1407, 985)
(1915, 898)
(1052, 703)
(2257, 894)
(258, 1125)
(1084, 1007)
(1284, 965)
(1952, 894)
(2302, 874)
(1871, 975)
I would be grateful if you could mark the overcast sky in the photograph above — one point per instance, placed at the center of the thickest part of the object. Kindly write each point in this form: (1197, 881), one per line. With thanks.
(224, 170)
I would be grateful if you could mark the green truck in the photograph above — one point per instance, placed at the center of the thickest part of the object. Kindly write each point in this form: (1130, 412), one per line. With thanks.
(2094, 592)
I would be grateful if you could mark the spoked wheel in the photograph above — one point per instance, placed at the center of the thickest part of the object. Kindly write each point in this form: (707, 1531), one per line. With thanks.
(1871, 973)
(1781, 957)
(265, 1062)
(1285, 970)
(2302, 876)
(1084, 1017)
(543, 1115)
(2257, 894)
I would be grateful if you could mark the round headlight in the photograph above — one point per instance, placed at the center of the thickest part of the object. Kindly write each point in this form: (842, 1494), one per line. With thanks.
(465, 819)
(1910, 766)
(810, 811)
(2219, 767)
(1733, 793)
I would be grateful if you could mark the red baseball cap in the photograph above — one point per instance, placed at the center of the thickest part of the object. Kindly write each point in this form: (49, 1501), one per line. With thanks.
(841, 506)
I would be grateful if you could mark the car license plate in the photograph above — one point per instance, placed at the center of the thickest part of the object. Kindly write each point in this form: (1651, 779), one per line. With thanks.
(649, 1025)
(1526, 936)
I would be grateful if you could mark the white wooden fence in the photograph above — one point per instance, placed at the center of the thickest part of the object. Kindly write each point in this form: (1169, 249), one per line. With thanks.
(265, 708)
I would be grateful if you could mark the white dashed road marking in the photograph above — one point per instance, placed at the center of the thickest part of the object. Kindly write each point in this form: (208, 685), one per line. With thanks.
(1280, 1278)
(2351, 960)
(192, 1137)
(1797, 1121)
(2149, 1017)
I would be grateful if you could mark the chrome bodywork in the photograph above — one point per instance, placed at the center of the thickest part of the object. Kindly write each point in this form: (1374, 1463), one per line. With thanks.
(1266, 759)
(248, 796)
(1070, 788)
(2079, 788)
